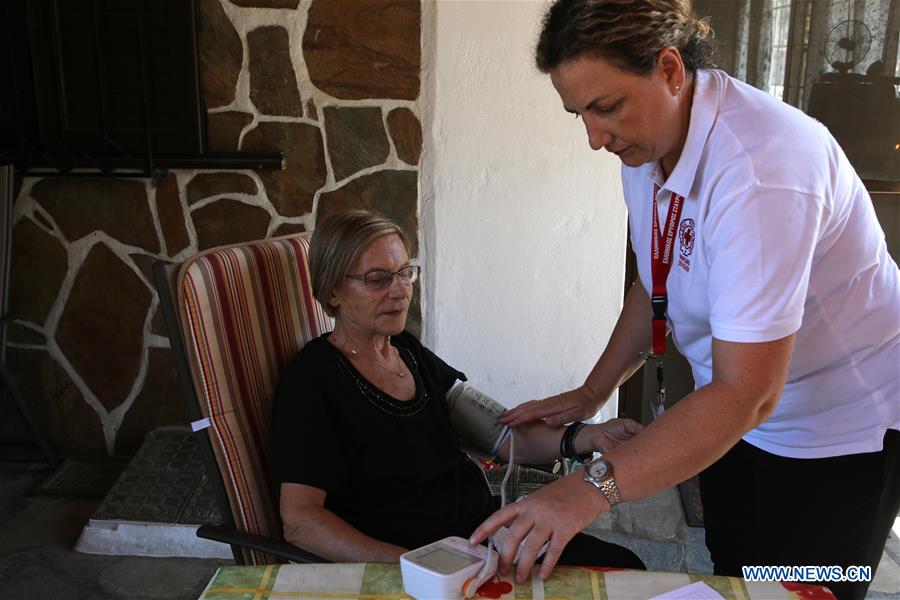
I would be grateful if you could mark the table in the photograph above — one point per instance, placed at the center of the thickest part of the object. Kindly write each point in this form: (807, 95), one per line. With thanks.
(373, 581)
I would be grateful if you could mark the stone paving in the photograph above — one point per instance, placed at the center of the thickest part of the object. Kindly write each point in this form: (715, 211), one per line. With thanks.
(655, 529)
(37, 561)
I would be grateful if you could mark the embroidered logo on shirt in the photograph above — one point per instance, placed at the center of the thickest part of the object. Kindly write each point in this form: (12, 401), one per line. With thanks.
(686, 240)
(686, 236)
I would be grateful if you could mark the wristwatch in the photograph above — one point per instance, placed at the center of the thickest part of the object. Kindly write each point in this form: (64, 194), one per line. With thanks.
(599, 473)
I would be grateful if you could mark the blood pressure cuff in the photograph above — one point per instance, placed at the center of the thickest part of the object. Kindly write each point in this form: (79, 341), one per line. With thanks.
(473, 416)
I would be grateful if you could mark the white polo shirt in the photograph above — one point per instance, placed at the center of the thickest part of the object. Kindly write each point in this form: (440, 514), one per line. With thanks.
(777, 235)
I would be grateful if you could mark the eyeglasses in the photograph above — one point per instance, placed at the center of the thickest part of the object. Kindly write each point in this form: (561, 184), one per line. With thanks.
(380, 279)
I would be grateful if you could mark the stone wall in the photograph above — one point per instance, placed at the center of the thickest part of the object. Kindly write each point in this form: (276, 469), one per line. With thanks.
(333, 83)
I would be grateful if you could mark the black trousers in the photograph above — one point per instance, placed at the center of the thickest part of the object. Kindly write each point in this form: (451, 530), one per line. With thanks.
(587, 551)
(763, 509)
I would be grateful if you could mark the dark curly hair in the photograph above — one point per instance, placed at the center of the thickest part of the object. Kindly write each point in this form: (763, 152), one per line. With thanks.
(630, 33)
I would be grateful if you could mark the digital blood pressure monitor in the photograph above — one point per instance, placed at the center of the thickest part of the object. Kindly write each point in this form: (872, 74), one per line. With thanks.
(441, 569)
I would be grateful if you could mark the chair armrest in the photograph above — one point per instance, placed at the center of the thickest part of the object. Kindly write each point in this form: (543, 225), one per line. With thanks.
(278, 548)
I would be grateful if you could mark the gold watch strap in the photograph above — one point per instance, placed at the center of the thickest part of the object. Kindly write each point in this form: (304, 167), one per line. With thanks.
(611, 491)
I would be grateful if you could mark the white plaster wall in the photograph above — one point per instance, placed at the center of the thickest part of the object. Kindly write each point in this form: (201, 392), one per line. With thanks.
(522, 225)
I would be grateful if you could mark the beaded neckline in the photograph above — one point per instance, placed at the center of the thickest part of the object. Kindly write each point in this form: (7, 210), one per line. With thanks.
(379, 398)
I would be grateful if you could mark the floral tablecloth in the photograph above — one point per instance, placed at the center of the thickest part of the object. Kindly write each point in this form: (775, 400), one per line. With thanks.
(383, 582)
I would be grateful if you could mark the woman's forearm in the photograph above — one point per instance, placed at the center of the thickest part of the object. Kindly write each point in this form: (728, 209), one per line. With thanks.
(693, 434)
(320, 531)
(536, 443)
(631, 336)
(748, 380)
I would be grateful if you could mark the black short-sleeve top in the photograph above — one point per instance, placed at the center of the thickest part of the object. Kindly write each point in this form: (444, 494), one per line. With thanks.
(393, 469)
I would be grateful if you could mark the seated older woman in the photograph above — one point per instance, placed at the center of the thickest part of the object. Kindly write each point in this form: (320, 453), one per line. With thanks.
(366, 444)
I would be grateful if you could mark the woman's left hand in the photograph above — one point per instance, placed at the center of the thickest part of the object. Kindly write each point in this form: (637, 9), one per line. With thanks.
(606, 436)
(555, 512)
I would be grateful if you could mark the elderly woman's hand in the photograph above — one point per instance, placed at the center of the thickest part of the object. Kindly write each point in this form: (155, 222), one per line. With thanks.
(606, 436)
(574, 405)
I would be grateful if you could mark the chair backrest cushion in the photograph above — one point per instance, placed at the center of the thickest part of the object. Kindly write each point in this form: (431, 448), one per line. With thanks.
(245, 311)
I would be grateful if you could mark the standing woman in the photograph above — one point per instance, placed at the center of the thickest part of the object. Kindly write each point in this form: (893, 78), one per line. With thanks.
(766, 263)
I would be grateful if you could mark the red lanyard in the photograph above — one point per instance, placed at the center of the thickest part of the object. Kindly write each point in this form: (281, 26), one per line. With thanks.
(661, 252)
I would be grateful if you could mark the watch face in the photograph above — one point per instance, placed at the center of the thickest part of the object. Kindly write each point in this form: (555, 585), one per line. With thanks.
(598, 469)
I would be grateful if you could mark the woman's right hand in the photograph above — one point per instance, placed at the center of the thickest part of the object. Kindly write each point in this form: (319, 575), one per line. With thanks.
(574, 405)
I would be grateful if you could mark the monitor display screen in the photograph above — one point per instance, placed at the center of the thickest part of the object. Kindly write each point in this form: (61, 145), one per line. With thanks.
(445, 561)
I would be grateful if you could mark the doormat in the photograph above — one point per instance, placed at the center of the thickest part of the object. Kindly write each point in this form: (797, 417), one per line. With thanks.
(165, 482)
(690, 500)
(81, 479)
(157, 504)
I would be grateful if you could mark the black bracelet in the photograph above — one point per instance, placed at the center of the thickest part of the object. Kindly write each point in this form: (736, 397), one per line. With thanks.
(567, 443)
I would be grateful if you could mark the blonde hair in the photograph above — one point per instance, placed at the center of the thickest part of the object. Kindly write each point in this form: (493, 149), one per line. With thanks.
(337, 242)
(630, 33)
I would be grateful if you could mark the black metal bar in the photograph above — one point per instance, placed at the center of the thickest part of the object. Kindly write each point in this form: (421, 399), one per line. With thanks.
(23, 140)
(130, 160)
(30, 419)
(63, 108)
(88, 159)
(60, 78)
(791, 52)
(276, 547)
(6, 380)
(141, 174)
(16, 102)
(210, 161)
(199, 106)
(65, 154)
(240, 161)
(145, 100)
(101, 84)
(7, 199)
(165, 276)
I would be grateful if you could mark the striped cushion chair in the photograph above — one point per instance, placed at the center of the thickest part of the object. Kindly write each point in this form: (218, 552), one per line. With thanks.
(242, 313)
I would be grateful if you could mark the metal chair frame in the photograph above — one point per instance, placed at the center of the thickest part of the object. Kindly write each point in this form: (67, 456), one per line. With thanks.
(165, 274)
